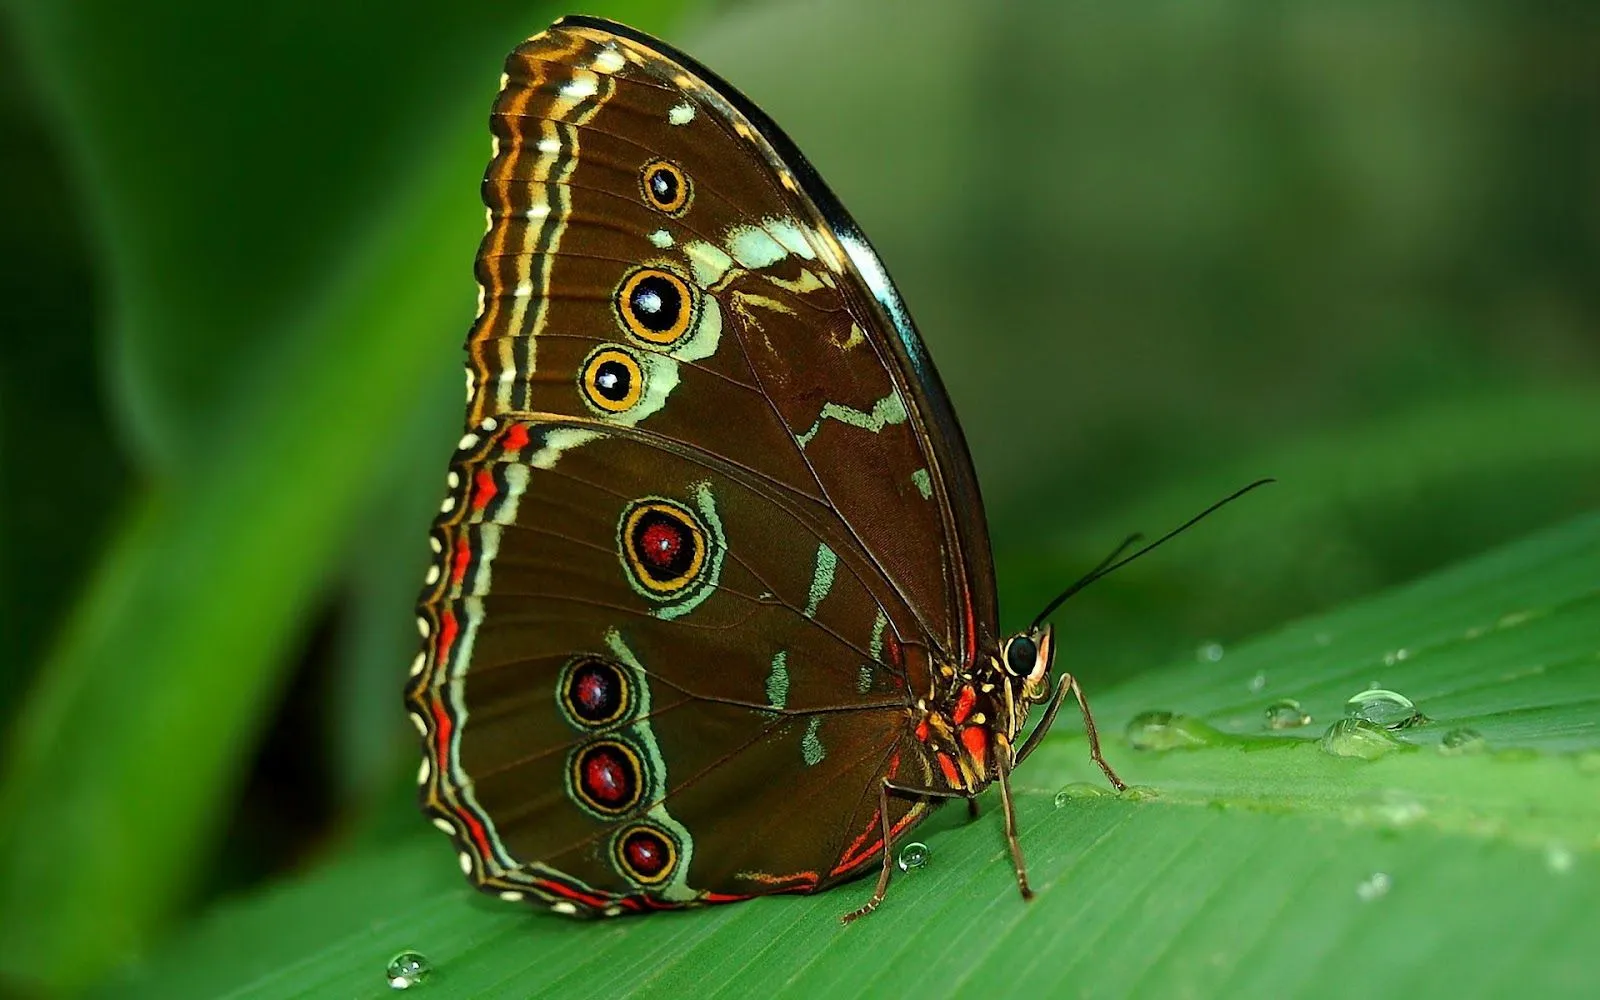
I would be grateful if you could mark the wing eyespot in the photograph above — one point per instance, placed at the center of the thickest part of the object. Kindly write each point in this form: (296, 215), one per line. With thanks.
(666, 188)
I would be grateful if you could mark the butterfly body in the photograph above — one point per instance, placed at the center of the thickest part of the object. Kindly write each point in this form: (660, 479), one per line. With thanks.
(711, 611)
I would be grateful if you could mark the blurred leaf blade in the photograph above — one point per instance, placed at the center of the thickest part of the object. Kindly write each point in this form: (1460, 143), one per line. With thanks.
(132, 742)
(1259, 868)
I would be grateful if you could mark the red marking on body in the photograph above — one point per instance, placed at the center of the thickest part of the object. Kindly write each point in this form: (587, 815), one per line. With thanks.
(516, 438)
(964, 702)
(447, 633)
(661, 543)
(460, 558)
(976, 740)
(891, 646)
(484, 489)
(894, 764)
(922, 730)
(947, 764)
(605, 777)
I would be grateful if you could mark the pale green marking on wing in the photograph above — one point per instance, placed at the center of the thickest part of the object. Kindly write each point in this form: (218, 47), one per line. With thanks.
(821, 578)
(924, 483)
(888, 410)
(677, 886)
(811, 746)
(778, 680)
(875, 647)
(755, 248)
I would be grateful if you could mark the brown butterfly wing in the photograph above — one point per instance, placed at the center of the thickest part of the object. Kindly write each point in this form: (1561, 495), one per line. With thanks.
(574, 694)
(674, 305)
(800, 363)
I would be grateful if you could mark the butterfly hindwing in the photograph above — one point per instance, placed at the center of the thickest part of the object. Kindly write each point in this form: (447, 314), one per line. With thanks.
(590, 673)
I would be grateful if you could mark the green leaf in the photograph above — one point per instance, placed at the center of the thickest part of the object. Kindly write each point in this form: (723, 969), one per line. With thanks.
(1255, 863)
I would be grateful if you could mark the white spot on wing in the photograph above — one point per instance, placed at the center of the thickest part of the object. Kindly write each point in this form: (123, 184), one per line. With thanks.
(579, 87)
(681, 114)
(661, 238)
(609, 60)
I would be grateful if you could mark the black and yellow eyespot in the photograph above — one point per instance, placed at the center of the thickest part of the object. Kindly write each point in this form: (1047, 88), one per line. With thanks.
(612, 380)
(606, 777)
(666, 187)
(594, 692)
(646, 854)
(663, 547)
(656, 306)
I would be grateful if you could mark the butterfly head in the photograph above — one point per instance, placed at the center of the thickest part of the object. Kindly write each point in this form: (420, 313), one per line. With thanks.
(1025, 658)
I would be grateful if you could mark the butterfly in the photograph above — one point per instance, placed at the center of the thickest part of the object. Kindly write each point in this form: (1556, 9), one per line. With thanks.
(711, 609)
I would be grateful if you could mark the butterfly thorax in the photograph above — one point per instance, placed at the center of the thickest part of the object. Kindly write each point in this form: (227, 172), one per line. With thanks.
(968, 726)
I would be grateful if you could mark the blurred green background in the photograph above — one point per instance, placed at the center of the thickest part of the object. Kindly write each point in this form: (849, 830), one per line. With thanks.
(1353, 246)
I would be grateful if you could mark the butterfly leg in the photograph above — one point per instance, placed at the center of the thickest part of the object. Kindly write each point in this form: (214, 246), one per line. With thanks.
(888, 858)
(1011, 832)
(1069, 684)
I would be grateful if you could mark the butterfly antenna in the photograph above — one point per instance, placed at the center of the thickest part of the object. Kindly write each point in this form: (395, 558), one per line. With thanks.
(1116, 561)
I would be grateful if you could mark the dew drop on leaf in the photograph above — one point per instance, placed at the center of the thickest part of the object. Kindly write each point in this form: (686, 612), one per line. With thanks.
(1359, 738)
(913, 855)
(1080, 790)
(408, 969)
(1463, 741)
(1382, 707)
(1286, 713)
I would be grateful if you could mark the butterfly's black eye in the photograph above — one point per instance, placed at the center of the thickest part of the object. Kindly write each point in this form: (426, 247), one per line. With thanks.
(612, 380)
(665, 187)
(1022, 655)
(656, 306)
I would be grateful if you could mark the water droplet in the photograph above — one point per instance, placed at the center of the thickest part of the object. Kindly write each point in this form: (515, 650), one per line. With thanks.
(1286, 713)
(1374, 886)
(1157, 730)
(1463, 741)
(1258, 683)
(1141, 793)
(1359, 738)
(1080, 790)
(408, 969)
(1381, 707)
(1209, 652)
(913, 855)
